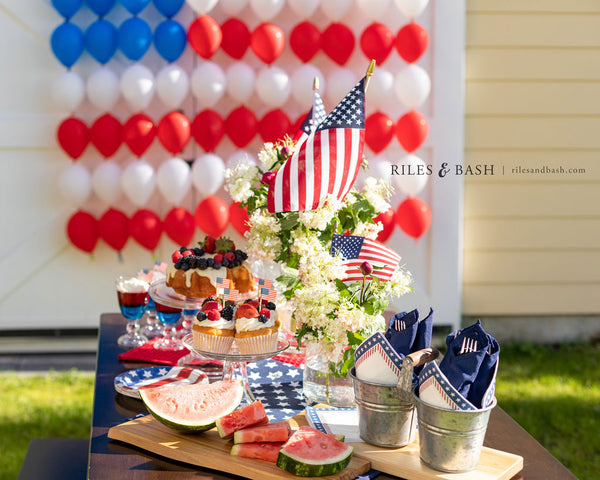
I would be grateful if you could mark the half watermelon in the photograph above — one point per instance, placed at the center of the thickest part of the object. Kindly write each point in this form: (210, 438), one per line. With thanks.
(193, 408)
(311, 453)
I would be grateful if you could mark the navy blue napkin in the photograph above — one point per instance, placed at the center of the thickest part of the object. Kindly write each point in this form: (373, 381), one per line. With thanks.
(471, 372)
(407, 334)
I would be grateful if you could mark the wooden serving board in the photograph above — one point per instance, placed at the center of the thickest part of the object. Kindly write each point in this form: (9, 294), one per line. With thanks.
(209, 450)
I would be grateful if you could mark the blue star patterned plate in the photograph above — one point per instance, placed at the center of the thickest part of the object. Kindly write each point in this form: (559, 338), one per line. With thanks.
(376, 361)
(128, 383)
(435, 389)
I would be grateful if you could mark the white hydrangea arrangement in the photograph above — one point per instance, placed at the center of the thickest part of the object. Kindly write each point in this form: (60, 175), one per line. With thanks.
(325, 310)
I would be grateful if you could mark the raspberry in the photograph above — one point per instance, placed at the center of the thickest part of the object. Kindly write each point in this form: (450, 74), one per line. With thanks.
(187, 252)
(213, 315)
(176, 256)
(218, 258)
(265, 312)
(230, 256)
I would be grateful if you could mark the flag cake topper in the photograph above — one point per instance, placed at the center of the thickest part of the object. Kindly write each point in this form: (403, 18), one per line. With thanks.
(263, 282)
(328, 161)
(230, 294)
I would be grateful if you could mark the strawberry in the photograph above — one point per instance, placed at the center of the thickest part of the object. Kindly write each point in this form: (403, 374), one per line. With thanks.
(224, 245)
(266, 312)
(246, 311)
(187, 253)
(254, 303)
(230, 256)
(176, 256)
(218, 258)
(209, 244)
(213, 315)
(212, 305)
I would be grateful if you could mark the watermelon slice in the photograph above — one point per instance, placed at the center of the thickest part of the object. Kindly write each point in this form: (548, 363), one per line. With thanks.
(253, 414)
(193, 408)
(271, 432)
(311, 453)
(268, 451)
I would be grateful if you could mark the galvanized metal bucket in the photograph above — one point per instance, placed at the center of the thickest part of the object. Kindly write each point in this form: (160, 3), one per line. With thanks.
(384, 418)
(451, 440)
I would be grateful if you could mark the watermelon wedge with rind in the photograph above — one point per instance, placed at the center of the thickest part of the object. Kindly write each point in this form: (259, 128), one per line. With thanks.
(271, 432)
(193, 408)
(268, 451)
(311, 453)
(247, 416)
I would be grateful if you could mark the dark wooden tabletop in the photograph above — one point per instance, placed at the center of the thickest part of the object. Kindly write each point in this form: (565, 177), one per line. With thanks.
(111, 459)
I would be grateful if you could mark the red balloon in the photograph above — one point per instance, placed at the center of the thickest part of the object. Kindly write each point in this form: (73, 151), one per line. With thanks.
(413, 217)
(274, 126)
(82, 230)
(379, 131)
(236, 38)
(138, 133)
(204, 35)
(239, 218)
(241, 125)
(267, 42)
(411, 42)
(305, 40)
(72, 136)
(146, 228)
(388, 221)
(338, 42)
(179, 226)
(376, 42)
(113, 228)
(212, 216)
(208, 129)
(174, 131)
(106, 134)
(412, 130)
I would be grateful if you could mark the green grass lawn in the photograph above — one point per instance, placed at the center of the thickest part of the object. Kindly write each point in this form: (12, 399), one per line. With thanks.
(554, 393)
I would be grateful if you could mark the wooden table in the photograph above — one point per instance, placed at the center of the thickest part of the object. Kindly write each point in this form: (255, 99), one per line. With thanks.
(116, 460)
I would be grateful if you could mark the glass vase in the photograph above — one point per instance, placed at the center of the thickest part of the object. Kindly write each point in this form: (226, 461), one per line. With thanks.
(319, 384)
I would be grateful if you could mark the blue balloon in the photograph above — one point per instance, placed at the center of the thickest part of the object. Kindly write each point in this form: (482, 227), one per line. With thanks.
(135, 6)
(168, 7)
(170, 40)
(67, 8)
(101, 40)
(135, 37)
(100, 7)
(67, 43)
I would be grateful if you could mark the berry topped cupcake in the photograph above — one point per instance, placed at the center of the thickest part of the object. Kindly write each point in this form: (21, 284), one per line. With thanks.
(214, 327)
(256, 331)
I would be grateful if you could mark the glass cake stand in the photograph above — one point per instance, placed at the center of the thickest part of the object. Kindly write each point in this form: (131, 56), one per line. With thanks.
(234, 363)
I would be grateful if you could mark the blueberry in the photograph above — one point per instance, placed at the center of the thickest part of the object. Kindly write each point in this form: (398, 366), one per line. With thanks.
(263, 318)
(270, 306)
(225, 262)
(201, 316)
(244, 256)
(185, 267)
(216, 265)
(178, 264)
(235, 263)
(248, 301)
(198, 251)
(192, 261)
(182, 249)
(202, 264)
(209, 262)
(227, 313)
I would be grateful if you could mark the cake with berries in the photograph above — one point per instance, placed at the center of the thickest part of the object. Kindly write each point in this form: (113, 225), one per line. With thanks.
(214, 327)
(194, 271)
(256, 328)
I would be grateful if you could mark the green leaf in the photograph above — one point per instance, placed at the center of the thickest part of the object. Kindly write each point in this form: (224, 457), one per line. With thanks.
(289, 220)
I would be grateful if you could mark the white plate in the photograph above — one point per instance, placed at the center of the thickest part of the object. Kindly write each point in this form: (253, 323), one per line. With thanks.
(129, 383)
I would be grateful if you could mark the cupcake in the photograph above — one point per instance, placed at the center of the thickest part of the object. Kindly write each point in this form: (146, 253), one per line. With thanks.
(214, 327)
(256, 331)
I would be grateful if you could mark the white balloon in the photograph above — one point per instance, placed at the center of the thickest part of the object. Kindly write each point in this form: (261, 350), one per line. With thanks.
(137, 86)
(273, 86)
(240, 156)
(138, 181)
(304, 8)
(202, 6)
(335, 9)
(172, 85)
(208, 174)
(380, 167)
(412, 175)
(106, 182)
(75, 184)
(102, 88)
(240, 79)
(302, 84)
(232, 7)
(412, 85)
(68, 91)
(373, 9)
(208, 83)
(173, 180)
(411, 8)
(266, 9)
(381, 88)
(340, 82)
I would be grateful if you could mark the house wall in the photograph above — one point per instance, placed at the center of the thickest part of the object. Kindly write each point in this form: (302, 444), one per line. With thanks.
(532, 241)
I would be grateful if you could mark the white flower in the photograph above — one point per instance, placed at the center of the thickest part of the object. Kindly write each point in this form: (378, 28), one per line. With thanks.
(368, 230)
(377, 192)
(263, 242)
(320, 218)
(240, 180)
(267, 156)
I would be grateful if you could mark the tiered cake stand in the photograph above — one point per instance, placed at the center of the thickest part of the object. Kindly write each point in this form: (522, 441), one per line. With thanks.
(234, 363)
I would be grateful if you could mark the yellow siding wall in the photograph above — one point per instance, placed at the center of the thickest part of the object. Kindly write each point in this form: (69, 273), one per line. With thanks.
(532, 242)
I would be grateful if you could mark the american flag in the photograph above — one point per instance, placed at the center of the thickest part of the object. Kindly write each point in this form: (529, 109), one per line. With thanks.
(229, 294)
(267, 293)
(222, 282)
(327, 163)
(263, 282)
(146, 275)
(160, 266)
(313, 119)
(356, 250)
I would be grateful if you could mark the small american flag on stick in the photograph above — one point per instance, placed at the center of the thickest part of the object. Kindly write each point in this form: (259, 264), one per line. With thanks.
(268, 294)
(229, 294)
(223, 282)
(263, 282)
(355, 250)
(160, 266)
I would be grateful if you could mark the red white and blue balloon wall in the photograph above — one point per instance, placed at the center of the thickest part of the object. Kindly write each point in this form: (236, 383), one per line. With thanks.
(163, 95)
